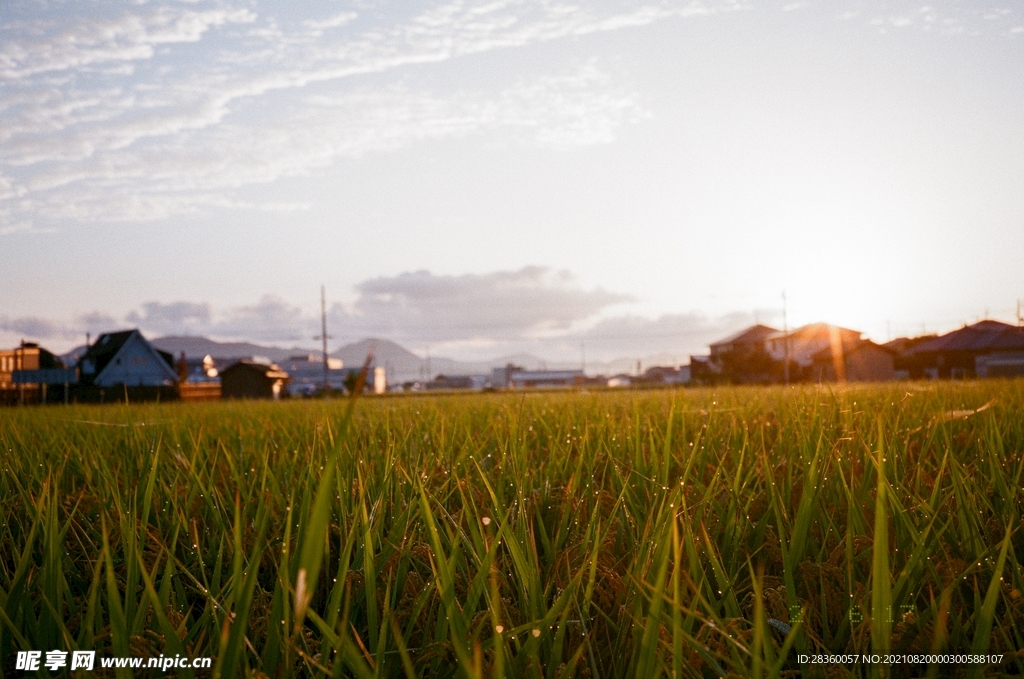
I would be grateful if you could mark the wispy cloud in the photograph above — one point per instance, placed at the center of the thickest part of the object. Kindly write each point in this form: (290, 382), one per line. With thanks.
(55, 45)
(196, 170)
(145, 113)
(141, 112)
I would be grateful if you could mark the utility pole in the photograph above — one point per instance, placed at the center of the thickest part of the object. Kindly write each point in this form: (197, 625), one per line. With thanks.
(583, 356)
(323, 337)
(785, 338)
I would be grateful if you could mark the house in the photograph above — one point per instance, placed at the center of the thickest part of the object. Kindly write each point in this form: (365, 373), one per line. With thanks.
(545, 378)
(761, 354)
(956, 354)
(906, 364)
(197, 370)
(502, 377)
(448, 382)
(26, 370)
(748, 340)
(859, 361)
(26, 356)
(743, 358)
(705, 371)
(515, 377)
(666, 375)
(799, 347)
(307, 376)
(126, 358)
(249, 379)
(1003, 364)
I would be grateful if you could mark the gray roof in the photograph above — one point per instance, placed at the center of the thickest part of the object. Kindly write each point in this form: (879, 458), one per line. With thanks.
(980, 337)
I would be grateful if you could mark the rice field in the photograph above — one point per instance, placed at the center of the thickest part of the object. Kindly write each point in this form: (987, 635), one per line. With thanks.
(685, 533)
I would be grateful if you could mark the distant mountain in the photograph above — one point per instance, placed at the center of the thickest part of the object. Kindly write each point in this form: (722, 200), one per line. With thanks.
(197, 347)
(385, 352)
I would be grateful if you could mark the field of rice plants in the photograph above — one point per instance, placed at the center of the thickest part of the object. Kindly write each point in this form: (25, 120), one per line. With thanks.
(677, 533)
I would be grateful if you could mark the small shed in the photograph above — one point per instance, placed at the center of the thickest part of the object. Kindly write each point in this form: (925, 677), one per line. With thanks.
(249, 379)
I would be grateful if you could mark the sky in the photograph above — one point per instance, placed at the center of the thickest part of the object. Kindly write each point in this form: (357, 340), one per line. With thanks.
(472, 179)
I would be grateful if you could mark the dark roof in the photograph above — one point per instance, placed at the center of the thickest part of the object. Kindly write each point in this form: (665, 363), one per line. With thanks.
(108, 344)
(755, 333)
(980, 337)
(269, 370)
(849, 348)
(904, 344)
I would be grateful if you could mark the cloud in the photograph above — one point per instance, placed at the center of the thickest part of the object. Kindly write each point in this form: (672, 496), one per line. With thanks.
(168, 110)
(198, 170)
(173, 317)
(38, 328)
(139, 113)
(32, 327)
(96, 322)
(272, 318)
(671, 333)
(317, 27)
(48, 46)
(422, 306)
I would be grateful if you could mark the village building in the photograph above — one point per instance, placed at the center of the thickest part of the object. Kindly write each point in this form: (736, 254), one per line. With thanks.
(126, 358)
(666, 375)
(740, 358)
(1002, 364)
(453, 382)
(968, 352)
(761, 354)
(26, 356)
(545, 378)
(248, 379)
(307, 375)
(748, 341)
(800, 345)
(27, 370)
(860, 361)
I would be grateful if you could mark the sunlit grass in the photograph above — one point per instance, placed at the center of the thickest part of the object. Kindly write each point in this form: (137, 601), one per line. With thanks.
(662, 533)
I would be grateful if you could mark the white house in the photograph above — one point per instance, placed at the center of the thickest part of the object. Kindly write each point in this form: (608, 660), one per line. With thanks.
(126, 358)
